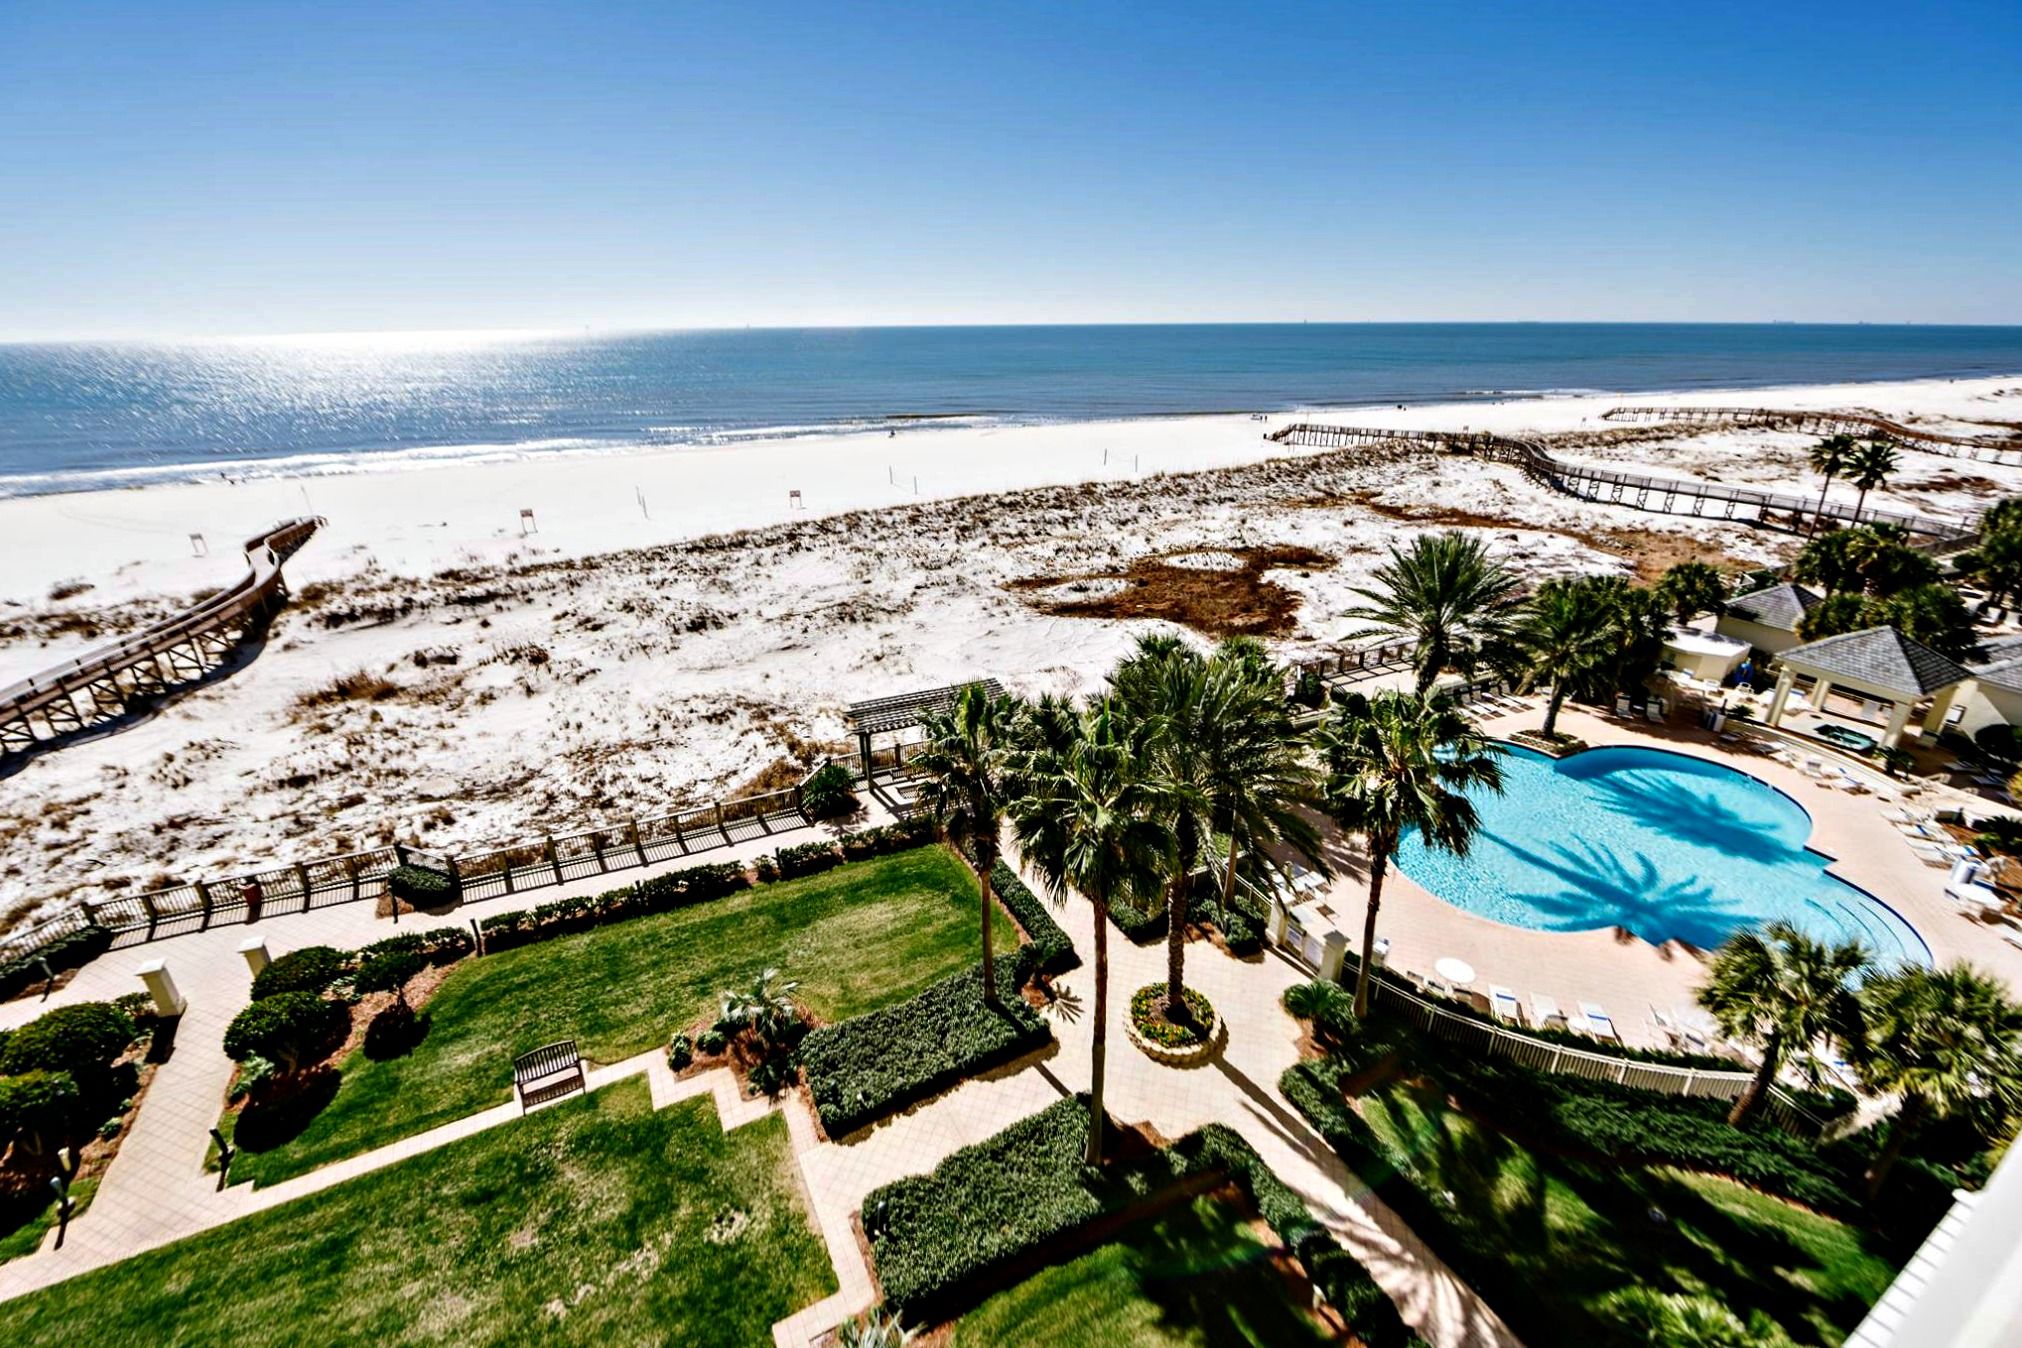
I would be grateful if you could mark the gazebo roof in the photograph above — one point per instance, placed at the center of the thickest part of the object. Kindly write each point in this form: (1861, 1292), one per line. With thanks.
(881, 714)
(1880, 657)
(2001, 664)
(1779, 606)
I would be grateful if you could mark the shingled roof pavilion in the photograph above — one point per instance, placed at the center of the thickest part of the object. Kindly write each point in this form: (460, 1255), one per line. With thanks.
(890, 715)
(1879, 663)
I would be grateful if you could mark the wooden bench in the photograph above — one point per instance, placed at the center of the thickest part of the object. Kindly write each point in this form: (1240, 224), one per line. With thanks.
(549, 1072)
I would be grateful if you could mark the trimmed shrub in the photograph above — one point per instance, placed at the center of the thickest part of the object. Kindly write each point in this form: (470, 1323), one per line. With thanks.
(82, 1040)
(1140, 926)
(830, 792)
(711, 1041)
(390, 971)
(288, 1029)
(903, 836)
(680, 1051)
(38, 1110)
(765, 868)
(1052, 952)
(876, 1064)
(420, 884)
(807, 859)
(312, 969)
(1150, 999)
(440, 945)
(662, 893)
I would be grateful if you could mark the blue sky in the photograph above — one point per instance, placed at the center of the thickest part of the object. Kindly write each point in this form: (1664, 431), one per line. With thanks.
(224, 168)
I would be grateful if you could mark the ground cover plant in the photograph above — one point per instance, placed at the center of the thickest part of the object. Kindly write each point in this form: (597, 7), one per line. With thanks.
(599, 1220)
(1552, 1195)
(856, 938)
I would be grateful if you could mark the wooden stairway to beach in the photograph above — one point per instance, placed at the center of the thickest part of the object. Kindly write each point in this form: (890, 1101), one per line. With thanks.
(2005, 450)
(1589, 482)
(103, 684)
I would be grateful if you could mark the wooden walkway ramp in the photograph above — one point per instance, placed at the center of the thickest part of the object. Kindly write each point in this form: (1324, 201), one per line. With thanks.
(101, 685)
(2006, 450)
(1589, 482)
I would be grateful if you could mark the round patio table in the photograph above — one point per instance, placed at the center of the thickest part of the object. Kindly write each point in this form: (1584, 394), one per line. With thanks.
(1454, 970)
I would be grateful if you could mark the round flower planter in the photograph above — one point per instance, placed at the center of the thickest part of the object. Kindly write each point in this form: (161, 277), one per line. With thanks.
(1157, 1040)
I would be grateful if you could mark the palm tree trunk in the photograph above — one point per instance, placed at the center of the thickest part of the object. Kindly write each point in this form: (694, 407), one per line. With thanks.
(1176, 950)
(1557, 700)
(1751, 1099)
(1859, 502)
(1819, 513)
(985, 863)
(1379, 861)
(1099, 1048)
(1907, 1119)
(1431, 659)
(1229, 875)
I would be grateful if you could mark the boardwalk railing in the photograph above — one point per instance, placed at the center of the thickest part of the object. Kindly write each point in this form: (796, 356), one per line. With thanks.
(101, 685)
(1666, 495)
(529, 863)
(1979, 448)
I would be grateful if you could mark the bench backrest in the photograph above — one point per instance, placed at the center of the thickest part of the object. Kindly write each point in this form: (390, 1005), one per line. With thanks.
(547, 1058)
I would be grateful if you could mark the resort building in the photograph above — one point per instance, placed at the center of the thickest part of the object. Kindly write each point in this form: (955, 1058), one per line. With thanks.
(1995, 695)
(1895, 678)
(1767, 619)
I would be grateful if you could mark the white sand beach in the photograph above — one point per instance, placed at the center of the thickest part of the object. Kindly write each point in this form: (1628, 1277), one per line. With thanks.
(624, 658)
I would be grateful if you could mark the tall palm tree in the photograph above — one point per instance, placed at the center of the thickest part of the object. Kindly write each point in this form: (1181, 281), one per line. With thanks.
(966, 793)
(1782, 991)
(1570, 631)
(1089, 821)
(1829, 457)
(1947, 1041)
(1219, 738)
(1405, 762)
(1446, 593)
(1870, 466)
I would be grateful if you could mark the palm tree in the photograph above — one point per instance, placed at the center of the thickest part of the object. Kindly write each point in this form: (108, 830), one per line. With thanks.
(1947, 1041)
(1782, 991)
(1571, 630)
(766, 1007)
(1445, 592)
(1219, 740)
(1871, 466)
(1687, 1320)
(965, 791)
(1405, 762)
(1089, 821)
(1690, 589)
(1829, 456)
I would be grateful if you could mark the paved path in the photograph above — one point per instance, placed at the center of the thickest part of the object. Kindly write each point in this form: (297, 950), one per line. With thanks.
(156, 1190)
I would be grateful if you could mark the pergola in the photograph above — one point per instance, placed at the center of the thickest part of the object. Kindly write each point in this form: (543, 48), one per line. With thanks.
(889, 715)
(1879, 663)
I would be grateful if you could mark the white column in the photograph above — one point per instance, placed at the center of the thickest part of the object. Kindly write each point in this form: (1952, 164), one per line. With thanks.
(1821, 689)
(1941, 707)
(1783, 682)
(1333, 947)
(1899, 718)
(254, 949)
(167, 1001)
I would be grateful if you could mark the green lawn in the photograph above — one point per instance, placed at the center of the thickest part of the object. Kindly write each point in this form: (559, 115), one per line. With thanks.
(1195, 1277)
(597, 1221)
(26, 1218)
(1562, 1233)
(858, 937)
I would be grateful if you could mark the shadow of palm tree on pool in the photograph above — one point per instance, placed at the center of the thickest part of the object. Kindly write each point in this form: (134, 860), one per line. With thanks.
(1699, 818)
(1606, 888)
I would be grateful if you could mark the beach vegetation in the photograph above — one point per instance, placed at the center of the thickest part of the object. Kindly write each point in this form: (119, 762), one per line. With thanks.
(1407, 762)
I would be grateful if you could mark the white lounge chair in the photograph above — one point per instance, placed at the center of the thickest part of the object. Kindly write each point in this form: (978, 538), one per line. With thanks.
(1654, 713)
(1544, 1011)
(1502, 1004)
(1599, 1024)
(1622, 707)
(1932, 855)
(1661, 1020)
(1695, 1029)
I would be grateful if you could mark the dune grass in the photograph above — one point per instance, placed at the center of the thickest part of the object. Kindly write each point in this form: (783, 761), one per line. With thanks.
(595, 1221)
(1562, 1233)
(1194, 1277)
(857, 938)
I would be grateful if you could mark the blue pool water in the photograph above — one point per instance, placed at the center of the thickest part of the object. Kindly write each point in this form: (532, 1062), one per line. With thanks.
(1666, 846)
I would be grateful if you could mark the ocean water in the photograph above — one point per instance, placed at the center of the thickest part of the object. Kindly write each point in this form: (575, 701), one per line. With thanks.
(1661, 844)
(91, 415)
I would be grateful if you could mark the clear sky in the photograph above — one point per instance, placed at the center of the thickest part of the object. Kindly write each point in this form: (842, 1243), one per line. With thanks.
(206, 167)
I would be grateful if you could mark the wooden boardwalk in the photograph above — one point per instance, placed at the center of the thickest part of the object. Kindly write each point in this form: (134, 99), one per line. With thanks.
(103, 684)
(2006, 450)
(1666, 495)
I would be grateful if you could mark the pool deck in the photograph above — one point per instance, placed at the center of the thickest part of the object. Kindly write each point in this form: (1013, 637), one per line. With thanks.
(1625, 974)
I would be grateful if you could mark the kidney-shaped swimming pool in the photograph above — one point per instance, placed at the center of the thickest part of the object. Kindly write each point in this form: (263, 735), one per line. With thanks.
(1667, 846)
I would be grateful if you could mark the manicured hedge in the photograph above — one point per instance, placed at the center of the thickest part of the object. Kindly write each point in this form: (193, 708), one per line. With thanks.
(289, 1029)
(39, 1109)
(903, 836)
(1140, 926)
(68, 951)
(82, 1039)
(313, 968)
(440, 945)
(1052, 952)
(807, 859)
(865, 1068)
(420, 884)
(940, 1239)
(662, 893)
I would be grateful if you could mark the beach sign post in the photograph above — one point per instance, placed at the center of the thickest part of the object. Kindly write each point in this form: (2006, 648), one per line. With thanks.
(527, 524)
(639, 494)
(793, 501)
(199, 548)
